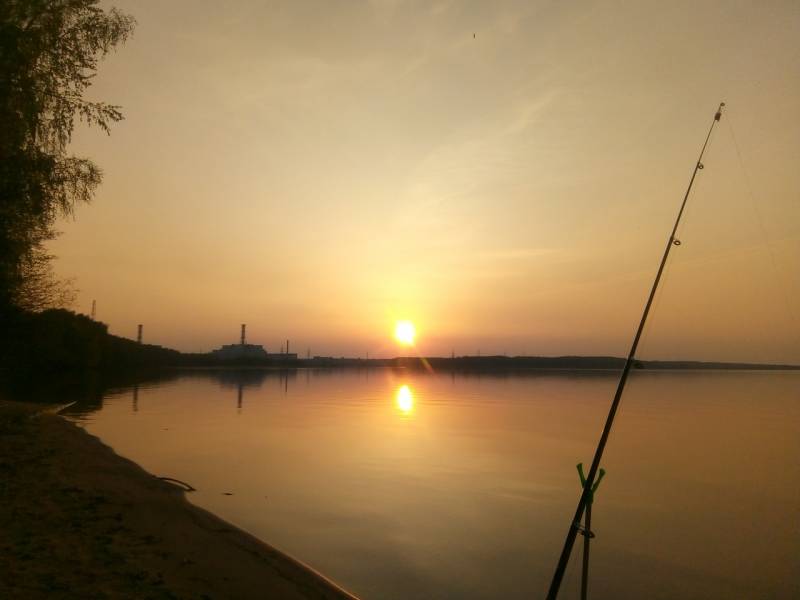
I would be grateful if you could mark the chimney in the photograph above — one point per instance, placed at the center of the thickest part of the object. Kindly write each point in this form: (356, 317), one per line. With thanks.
(243, 337)
(287, 346)
(139, 334)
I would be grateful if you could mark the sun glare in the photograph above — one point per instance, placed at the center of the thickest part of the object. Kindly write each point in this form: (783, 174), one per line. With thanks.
(405, 332)
(404, 399)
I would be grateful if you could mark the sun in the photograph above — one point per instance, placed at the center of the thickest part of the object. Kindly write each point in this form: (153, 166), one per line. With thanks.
(405, 332)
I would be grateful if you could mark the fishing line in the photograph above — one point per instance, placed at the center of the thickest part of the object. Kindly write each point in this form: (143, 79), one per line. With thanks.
(777, 271)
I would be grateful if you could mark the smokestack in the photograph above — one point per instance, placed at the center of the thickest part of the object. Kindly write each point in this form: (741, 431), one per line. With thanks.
(243, 338)
(287, 346)
(139, 334)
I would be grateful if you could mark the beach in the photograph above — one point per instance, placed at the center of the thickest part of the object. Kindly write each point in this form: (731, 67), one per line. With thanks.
(79, 521)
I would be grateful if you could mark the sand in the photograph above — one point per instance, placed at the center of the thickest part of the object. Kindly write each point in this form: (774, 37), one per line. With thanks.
(78, 521)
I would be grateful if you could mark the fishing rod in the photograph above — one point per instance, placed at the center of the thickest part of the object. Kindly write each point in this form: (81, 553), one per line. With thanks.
(575, 525)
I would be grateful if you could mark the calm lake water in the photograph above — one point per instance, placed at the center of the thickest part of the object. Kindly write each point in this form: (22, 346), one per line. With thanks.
(414, 485)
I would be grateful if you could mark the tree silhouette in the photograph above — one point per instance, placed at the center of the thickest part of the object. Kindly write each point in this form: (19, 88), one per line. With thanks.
(49, 53)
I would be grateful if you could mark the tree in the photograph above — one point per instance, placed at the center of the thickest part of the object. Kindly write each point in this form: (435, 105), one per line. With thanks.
(49, 53)
(41, 289)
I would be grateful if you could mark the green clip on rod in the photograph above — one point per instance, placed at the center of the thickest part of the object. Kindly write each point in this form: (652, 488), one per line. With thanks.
(569, 541)
(600, 476)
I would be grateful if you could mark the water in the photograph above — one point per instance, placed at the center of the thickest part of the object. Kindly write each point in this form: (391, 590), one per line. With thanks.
(413, 485)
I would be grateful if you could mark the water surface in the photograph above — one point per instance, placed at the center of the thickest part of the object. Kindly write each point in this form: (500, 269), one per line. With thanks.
(416, 485)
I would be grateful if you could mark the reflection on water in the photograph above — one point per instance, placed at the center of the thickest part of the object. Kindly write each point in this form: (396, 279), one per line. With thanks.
(415, 485)
(405, 400)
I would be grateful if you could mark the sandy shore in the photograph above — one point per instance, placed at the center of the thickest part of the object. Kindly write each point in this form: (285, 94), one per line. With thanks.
(78, 521)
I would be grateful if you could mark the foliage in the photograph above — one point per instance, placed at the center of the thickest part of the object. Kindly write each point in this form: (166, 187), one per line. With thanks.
(49, 53)
(58, 340)
(41, 289)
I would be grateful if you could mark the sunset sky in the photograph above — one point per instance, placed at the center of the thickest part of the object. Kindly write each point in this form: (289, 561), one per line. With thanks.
(502, 174)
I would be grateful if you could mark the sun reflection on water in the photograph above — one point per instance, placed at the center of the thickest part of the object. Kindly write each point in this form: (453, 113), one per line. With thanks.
(404, 399)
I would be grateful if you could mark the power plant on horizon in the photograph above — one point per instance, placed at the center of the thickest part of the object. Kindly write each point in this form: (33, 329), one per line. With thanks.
(246, 351)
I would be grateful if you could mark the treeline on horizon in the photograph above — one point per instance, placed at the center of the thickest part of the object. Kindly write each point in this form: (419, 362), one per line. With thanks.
(59, 341)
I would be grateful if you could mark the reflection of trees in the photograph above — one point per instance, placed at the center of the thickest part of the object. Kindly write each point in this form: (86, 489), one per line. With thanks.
(88, 390)
(88, 393)
(89, 398)
(82, 387)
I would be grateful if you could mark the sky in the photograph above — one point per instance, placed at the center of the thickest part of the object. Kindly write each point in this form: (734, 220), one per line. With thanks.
(503, 174)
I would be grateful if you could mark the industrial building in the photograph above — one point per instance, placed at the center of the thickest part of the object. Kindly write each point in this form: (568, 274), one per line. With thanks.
(245, 351)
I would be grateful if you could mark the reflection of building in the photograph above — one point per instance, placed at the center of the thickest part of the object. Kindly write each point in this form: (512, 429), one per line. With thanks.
(240, 351)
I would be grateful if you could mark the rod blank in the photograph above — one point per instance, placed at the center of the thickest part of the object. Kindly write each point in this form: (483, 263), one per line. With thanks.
(572, 532)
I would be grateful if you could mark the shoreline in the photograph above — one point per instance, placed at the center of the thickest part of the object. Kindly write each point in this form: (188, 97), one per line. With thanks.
(80, 521)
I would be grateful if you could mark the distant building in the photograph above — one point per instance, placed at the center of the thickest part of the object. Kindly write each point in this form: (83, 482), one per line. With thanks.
(245, 351)
(283, 356)
(240, 352)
